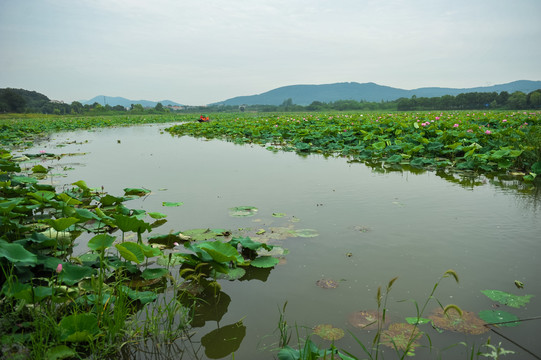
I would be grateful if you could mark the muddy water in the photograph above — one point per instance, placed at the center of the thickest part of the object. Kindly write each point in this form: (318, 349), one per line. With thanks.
(373, 225)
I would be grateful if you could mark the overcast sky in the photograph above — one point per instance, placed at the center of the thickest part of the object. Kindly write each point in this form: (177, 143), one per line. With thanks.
(203, 51)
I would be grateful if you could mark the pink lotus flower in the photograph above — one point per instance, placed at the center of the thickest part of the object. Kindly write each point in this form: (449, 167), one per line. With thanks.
(175, 243)
(437, 117)
(59, 269)
(455, 125)
(488, 132)
(42, 151)
(470, 130)
(504, 120)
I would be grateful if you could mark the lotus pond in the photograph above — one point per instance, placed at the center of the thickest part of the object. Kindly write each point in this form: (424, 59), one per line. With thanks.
(334, 232)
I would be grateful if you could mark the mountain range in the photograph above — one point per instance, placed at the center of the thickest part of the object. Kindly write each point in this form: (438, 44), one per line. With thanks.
(117, 100)
(306, 94)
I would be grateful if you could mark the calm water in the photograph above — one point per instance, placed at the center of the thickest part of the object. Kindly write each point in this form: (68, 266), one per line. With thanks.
(415, 226)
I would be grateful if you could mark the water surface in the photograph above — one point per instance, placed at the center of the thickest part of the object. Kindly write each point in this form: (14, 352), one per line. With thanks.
(373, 225)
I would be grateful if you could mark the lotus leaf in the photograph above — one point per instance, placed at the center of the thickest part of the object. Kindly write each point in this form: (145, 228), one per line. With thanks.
(60, 352)
(327, 284)
(155, 273)
(366, 319)
(328, 332)
(515, 301)
(401, 336)
(157, 215)
(264, 262)
(101, 242)
(306, 233)
(203, 234)
(16, 253)
(468, 323)
(131, 252)
(232, 274)
(78, 327)
(278, 215)
(136, 191)
(499, 317)
(172, 204)
(242, 211)
(72, 274)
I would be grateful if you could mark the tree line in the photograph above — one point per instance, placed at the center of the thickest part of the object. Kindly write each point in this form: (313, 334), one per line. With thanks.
(25, 101)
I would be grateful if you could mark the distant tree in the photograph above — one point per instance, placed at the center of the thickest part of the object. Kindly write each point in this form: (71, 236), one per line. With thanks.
(502, 98)
(119, 108)
(137, 108)
(159, 107)
(534, 99)
(517, 100)
(11, 101)
(76, 107)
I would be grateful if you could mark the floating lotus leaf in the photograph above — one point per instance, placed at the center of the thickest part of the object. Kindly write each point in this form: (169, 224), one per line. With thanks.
(498, 317)
(401, 336)
(278, 215)
(366, 319)
(307, 233)
(327, 283)
(515, 301)
(265, 262)
(468, 323)
(172, 204)
(232, 274)
(242, 211)
(328, 332)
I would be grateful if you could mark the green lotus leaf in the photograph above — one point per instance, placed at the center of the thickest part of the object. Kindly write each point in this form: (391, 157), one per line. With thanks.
(172, 204)
(131, 252)
(62, 223)
(101, 242)
(157, 215)
(136, 191)
(278, 215)
(72, 274)
(502, 318)
(60, 352)
(219, 251)
(155, 273)
(78, 327)
(39, 169)
(265, 262)
(242, 211)
(504, 298)
(232, 274)
(143, 296)
(16, 253)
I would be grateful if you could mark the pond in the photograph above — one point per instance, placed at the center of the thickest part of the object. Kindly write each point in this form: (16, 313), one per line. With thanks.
(372, 224)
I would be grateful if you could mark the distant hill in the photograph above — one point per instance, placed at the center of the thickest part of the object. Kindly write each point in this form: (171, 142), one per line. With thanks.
(306, 94)
(113, 101)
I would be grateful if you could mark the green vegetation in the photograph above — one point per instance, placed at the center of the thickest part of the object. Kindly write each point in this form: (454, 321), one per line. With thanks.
(62, 304)
(133, 285)
(483, 142)
(402, 337)
(24, 101)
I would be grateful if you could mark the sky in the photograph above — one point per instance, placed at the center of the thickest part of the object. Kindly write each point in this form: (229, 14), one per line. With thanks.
(198, 52)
